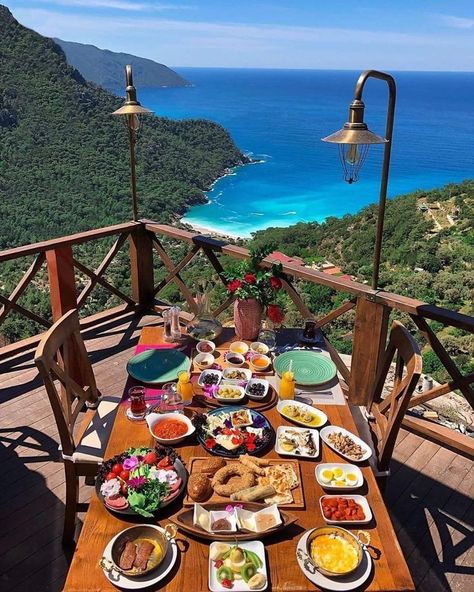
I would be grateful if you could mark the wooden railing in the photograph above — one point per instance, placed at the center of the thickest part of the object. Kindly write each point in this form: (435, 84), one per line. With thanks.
(146, 248)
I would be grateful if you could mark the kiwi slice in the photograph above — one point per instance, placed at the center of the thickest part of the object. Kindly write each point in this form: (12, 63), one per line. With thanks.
(247, 571)
(225, 573)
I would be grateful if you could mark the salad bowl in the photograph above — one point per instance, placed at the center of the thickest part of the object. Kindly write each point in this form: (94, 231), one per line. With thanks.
(141, 481)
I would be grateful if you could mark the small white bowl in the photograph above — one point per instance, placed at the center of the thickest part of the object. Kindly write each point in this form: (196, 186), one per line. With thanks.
(153, 419)
(204, 361)
(204, 373)
(229, 400)
(205, 343)
(225, 375)
(256, 346)
(239, 347)
(233, 356)
(265, 383)
(260, 368)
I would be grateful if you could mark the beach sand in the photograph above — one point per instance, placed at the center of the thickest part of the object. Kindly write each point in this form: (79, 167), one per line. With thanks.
(205, 230)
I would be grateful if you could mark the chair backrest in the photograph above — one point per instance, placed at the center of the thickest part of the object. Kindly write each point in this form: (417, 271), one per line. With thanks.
(59, 351)
(387, 413)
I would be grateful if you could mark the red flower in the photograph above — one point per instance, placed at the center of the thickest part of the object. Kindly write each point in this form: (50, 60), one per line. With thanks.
(275, 283)
(234, 285)
(275, 313)
(250, 278)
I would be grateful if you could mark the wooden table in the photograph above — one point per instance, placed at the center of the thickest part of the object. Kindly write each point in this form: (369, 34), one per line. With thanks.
(191, 571)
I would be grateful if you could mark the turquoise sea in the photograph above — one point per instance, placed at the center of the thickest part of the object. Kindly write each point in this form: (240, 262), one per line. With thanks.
(280, 116)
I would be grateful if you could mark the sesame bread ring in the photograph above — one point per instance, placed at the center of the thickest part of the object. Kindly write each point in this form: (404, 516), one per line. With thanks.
(231, 478)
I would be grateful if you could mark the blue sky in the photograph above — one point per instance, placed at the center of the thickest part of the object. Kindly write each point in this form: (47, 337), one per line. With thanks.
(323, 34)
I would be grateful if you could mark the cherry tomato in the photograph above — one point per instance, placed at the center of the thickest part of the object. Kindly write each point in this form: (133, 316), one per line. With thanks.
(117, 469)
(124, 475)
(110, 476)
(150, 458)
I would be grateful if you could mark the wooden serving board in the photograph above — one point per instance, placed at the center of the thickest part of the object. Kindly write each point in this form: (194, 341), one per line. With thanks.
(195, 462)
(219, 356)
(184, 520)
(259, 405)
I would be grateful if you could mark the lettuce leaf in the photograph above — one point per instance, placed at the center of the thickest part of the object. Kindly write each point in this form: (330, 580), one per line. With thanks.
(149, 498)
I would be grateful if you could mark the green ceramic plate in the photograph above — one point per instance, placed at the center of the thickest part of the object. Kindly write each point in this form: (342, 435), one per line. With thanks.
(310, 368)
(155, 366)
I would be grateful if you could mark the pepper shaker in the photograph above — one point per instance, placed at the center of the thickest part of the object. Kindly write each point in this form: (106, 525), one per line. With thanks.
(167, 324)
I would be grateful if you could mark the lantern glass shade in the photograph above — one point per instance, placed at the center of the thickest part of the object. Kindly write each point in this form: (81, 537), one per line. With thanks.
(353, 142)
(352, 158)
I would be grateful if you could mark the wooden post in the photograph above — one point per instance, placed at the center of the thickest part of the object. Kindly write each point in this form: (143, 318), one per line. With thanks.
(141, 264)
(370, 334)
(62, 288)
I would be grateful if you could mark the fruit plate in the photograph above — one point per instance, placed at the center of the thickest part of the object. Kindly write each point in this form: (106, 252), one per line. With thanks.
(210, 438)
(358, 499)
(318, 420)
(293, 433)
(155, 366)
(323, 470)
(309, 368)
(238, 585)
(354, 581)
(366, 450)
(129, 511)
(138, 583)
(184, 521)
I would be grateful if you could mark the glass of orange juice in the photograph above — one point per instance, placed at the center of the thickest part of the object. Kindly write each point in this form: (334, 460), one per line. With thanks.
(185, 387)
(287, 385)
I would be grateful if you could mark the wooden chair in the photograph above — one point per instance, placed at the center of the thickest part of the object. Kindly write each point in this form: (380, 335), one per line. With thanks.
(379, 422)
(82, 451)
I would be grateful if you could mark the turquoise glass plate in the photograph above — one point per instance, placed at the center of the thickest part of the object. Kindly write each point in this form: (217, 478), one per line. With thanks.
(155, 366)
(310, 368)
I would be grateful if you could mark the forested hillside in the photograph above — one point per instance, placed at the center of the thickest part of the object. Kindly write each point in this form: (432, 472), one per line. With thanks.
(427, 253)
(64, 157)
(106, 67)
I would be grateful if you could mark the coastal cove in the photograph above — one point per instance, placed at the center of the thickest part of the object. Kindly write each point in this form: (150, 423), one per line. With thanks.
(280, 116)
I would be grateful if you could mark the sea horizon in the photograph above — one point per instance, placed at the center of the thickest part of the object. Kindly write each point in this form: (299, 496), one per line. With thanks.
(279, 116)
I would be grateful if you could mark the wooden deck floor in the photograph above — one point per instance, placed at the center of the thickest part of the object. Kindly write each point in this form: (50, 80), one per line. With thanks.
(429, 493)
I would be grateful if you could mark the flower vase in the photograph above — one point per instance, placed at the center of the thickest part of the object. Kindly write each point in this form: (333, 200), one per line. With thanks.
(247, 318)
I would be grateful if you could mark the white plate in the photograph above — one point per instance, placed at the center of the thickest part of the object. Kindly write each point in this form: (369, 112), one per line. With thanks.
(238, 585)
(150, 579)
(347, 468)
(359, 499)
(265, 383)
(341, 584)
(281, 451)
(228, 400)
(322, 416)
(209, 371)
(246, 371)
(365, 447)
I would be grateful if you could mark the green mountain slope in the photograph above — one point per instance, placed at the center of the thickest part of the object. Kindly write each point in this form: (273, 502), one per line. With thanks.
(427, 253)
(64, 157)
(106, 68)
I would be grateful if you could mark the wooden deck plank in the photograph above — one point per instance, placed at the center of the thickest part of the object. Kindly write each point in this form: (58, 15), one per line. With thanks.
(419, 481)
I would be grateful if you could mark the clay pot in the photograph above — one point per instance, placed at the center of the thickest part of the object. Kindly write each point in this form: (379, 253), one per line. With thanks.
(247, 318)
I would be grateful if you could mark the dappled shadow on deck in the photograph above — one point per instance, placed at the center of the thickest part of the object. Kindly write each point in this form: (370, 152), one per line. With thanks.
(428, 494)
